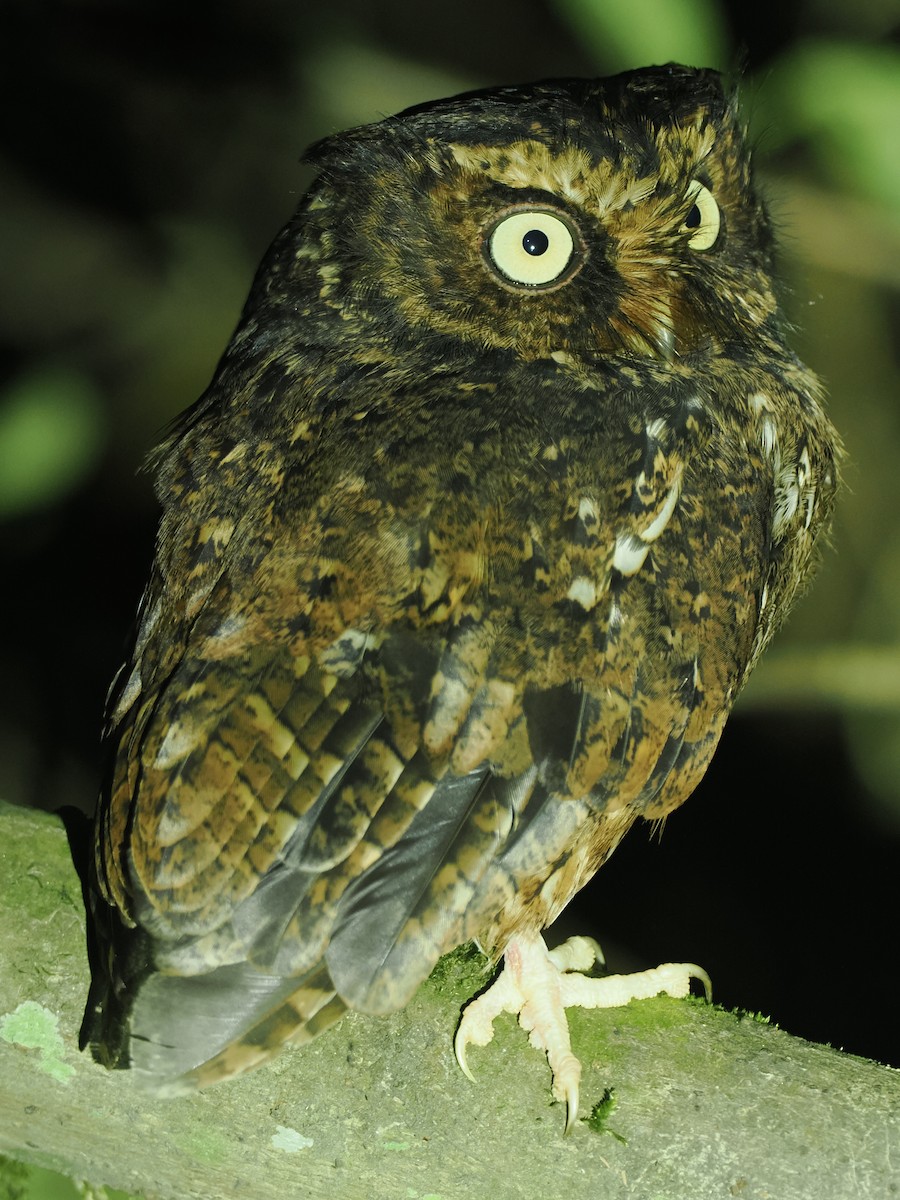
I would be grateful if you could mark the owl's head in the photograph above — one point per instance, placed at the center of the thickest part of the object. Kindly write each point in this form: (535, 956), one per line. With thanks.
(566, 219)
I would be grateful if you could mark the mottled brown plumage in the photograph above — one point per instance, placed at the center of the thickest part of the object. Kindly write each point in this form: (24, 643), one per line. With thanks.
(464, 557)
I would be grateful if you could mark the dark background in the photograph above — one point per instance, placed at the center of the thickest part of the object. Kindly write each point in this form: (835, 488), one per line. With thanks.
(150, 153)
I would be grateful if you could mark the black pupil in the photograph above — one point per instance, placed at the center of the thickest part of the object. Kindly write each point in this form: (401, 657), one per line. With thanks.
(693, 219)
(535, 242)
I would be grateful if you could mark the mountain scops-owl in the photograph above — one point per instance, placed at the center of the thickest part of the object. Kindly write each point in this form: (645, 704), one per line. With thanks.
(498, 492)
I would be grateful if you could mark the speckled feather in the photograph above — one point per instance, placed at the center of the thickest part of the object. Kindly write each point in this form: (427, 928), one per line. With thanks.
(455, 579)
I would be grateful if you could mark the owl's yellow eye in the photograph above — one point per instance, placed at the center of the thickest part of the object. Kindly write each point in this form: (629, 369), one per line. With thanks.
(532, 247)
(703, 219)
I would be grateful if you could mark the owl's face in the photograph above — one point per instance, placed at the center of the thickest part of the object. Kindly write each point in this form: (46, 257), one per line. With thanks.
(563, 221)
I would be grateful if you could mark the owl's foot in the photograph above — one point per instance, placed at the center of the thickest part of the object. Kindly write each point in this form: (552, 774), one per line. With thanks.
(539, 985)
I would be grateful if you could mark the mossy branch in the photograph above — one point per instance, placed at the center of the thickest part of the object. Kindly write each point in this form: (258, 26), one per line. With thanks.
(689, 1101)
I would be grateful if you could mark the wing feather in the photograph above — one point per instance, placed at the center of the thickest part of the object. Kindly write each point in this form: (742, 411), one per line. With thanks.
(318, 792)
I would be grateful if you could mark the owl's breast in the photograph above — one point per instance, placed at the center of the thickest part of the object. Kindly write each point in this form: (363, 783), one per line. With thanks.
(615, 567)
(632, 521)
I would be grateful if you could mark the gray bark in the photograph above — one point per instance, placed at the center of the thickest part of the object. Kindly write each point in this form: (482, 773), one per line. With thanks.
(707, 1104)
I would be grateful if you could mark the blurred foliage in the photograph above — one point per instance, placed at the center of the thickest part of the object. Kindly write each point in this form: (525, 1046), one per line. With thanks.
(50, 429)
(622, 34)
(18, 1181)
(842, 101)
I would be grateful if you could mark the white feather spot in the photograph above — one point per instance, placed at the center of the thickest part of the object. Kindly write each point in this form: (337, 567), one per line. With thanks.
(661, 520)
(767, 431)
(794, 487)
(656, 428)
(787, 497)
(583, 591)
(587, 513)
(804, 469)
(760, 403)
(810, 506)
(768, 435)
(630, 553)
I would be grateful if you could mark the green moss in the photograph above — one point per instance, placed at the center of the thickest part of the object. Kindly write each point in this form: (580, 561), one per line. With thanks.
(600, 1114)
(464, 971)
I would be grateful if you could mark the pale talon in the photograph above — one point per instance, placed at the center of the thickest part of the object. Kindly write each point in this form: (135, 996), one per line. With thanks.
(539, 985)
(459, 1049)
(566, 1086)
(699, 974)
(571, 1099)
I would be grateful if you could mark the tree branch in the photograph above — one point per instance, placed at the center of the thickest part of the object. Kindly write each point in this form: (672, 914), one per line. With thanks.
(705, 1105)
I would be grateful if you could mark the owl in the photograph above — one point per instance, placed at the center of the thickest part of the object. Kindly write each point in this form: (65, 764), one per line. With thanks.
(502, 485)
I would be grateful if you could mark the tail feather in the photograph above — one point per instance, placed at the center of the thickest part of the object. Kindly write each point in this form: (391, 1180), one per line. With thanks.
(229, 1022)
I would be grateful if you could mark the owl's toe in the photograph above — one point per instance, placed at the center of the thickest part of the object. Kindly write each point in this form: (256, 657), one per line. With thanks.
(539, 985)
(530, 986)
(476, 1028)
